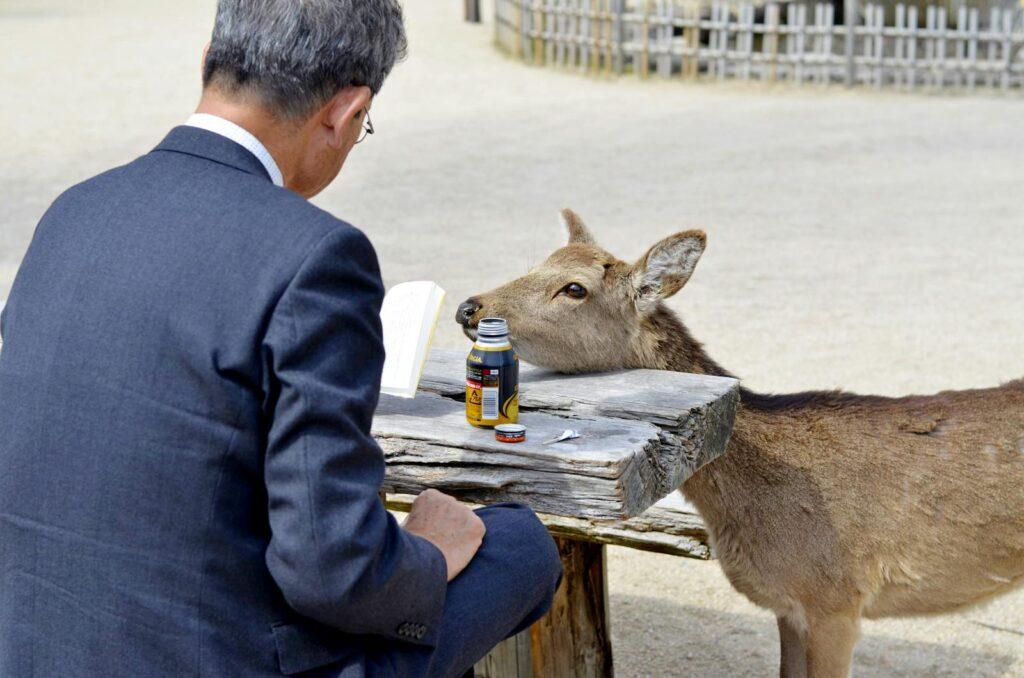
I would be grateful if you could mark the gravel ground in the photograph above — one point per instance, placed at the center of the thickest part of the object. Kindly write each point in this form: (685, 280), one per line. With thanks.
(864, 240)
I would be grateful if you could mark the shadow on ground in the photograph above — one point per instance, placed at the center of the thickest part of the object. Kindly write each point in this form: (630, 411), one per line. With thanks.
(25, 11)
(653, 637)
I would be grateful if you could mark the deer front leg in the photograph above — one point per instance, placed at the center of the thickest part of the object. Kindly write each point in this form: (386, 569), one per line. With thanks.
(793, 662)
(829, 642)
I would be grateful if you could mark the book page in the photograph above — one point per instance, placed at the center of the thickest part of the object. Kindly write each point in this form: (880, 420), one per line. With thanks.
(408, 315)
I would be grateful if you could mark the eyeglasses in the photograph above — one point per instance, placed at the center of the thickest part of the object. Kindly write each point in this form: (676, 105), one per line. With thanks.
(367, 127)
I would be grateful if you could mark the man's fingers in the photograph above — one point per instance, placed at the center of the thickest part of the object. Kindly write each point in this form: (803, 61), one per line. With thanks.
(479, 525)
(429, 495)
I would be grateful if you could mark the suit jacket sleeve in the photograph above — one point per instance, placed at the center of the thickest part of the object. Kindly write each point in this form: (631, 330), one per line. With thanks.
(337, 555)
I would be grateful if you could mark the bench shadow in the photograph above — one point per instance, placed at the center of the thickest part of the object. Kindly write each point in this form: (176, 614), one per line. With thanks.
(27, 11)
(653, 637)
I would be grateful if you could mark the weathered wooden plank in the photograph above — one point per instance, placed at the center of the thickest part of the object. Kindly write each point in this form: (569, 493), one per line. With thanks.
(643, 432)
(671, 526)
(427, 443)
(662, 398)
(601, 449)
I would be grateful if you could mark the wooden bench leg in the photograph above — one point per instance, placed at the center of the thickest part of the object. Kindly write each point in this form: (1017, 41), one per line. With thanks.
(511, 659)
(574, 638)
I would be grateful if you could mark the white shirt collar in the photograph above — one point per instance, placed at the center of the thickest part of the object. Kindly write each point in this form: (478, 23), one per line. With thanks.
(242, 137)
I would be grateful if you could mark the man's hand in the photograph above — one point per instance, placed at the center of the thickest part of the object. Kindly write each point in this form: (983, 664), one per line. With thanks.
(449, 526)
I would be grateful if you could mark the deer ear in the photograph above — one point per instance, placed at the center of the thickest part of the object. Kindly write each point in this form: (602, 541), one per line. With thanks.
(666, 267)
(578, 231)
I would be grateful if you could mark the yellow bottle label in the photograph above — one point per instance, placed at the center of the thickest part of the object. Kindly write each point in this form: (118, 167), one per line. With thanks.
(492, 387)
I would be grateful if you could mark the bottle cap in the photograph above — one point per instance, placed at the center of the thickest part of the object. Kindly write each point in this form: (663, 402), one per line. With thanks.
(492, 327)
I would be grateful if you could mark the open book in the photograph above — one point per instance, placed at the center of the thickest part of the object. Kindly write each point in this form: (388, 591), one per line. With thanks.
(409, 316)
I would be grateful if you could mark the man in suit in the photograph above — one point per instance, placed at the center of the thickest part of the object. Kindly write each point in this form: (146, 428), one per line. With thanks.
(191, 362)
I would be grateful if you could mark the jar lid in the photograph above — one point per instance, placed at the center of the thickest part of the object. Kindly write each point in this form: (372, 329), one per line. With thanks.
(510, 433)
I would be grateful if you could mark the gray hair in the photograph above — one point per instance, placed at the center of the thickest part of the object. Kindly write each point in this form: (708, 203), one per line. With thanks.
(297, 54)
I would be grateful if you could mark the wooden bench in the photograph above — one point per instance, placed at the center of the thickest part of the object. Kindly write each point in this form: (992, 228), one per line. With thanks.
(643, 433)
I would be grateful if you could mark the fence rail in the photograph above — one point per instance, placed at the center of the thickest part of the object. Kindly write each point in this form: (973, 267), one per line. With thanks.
(876, 45)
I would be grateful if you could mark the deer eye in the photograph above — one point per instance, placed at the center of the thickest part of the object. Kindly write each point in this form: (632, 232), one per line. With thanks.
(575, 291)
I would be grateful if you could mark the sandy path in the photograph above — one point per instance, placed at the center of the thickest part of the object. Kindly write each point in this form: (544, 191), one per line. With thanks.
(872, 241)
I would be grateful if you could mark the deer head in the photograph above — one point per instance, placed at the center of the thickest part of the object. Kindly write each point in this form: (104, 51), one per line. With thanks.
(585, 310)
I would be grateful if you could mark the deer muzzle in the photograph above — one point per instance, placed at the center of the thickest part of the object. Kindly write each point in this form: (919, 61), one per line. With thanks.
(465, 316)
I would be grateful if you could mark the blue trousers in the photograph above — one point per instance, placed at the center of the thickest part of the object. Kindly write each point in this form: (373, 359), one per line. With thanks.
(508, 585)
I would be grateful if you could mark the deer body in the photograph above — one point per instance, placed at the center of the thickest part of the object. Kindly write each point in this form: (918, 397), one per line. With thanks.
(826, 507)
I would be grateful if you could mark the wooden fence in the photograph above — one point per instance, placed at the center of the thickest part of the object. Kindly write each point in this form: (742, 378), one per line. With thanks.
(795, 42)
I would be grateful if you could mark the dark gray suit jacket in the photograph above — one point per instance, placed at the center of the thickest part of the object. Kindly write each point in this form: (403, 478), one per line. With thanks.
(188, 485)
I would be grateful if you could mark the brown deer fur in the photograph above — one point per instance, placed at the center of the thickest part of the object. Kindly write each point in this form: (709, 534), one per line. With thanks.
(827, 507)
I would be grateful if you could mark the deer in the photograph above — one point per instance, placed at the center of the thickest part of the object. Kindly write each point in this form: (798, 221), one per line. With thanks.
(826, 507)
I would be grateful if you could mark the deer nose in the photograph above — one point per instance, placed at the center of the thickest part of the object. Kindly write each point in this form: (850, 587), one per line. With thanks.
(466, 311)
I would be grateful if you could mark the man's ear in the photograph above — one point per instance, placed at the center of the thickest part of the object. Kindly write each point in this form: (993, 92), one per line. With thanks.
(202, 62)
(666, 267)
(578, 231)
(343, 112)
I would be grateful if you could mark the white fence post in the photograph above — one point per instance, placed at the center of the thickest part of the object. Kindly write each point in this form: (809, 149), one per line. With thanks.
(1008, 50)
(746, 39)
(912, 21)
(879, 55)
(619, 36)
(851, 18)
(972, 49)
(770, 45)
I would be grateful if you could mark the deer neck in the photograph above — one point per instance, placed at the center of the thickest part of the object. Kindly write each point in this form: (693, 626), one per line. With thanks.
(664, 343)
